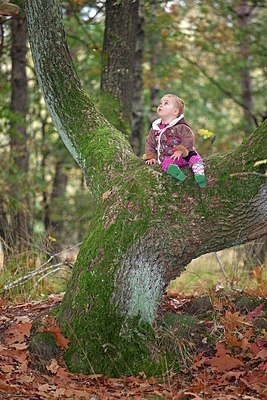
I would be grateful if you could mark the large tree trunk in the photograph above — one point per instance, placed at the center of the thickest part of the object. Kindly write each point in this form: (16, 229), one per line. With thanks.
(146, 228)
(118, 60)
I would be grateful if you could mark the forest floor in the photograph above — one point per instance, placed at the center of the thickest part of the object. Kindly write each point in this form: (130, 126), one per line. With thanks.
(219, 341)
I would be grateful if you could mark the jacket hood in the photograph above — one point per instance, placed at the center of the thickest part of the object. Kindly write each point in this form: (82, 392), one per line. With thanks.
(156, 123)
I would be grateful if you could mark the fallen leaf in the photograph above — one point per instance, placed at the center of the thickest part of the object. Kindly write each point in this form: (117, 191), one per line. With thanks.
(6, 368)
(223, 361)
(257, 312)
(232, 320)
(106, 195)
(55, 329)
(53, 366)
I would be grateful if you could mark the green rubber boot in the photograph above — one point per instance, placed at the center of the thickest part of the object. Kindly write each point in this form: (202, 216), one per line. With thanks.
(200, 180)
(176, 172)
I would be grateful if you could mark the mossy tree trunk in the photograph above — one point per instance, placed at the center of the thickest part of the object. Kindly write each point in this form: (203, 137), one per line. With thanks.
(146, 228)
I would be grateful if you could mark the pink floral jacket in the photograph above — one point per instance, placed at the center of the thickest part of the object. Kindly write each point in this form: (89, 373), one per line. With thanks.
(162, 141)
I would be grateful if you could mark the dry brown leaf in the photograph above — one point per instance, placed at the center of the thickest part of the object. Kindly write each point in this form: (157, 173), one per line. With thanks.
(53, 366)
(232, 320)
(106, 195)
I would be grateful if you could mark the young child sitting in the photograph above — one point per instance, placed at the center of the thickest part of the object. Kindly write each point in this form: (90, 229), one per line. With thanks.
(170, 142)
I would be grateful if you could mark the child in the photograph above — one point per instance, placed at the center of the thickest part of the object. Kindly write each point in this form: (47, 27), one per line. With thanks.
(170, 142)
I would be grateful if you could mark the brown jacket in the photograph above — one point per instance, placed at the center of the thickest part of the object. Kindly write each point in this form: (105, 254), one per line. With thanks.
(177, 136)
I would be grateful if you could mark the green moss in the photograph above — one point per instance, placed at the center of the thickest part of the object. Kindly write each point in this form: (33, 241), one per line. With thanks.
(98, 343)
(111, 108)
(112, 352)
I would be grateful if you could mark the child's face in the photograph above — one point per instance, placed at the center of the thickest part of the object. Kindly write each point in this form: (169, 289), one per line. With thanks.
(167, 108)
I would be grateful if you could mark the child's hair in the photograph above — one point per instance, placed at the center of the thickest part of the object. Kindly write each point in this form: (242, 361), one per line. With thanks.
(179, 102)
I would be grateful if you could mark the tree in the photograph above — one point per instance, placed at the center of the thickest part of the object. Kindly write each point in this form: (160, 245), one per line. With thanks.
(118, 60)
(15, 222)
(21, 224)
(138, 97)
(146, 227)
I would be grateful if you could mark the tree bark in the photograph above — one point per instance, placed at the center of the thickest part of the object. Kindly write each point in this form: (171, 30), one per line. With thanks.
(118, 61)
(146, 227)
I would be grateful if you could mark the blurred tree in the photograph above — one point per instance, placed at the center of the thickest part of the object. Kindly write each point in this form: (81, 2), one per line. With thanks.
(21, 224)
(255, 252)
(137, 242)
(118, 62)
(155, 52)
(138, 97)
(244, 12)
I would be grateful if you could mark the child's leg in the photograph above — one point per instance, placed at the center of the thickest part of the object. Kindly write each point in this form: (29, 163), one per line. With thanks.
(196, 163)
(170, 166)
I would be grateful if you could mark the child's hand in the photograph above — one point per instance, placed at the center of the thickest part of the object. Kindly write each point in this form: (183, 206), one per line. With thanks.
(151, 161)
(177, 154)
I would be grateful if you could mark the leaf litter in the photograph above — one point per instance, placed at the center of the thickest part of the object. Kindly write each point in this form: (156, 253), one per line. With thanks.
(231, 366)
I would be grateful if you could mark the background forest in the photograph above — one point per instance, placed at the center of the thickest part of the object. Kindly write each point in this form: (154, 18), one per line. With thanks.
(210, 53)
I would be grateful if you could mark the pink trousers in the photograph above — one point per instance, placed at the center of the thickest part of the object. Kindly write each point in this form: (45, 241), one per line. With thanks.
(181, 162)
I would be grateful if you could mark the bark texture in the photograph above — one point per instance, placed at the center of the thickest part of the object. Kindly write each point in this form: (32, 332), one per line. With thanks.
(146, 228)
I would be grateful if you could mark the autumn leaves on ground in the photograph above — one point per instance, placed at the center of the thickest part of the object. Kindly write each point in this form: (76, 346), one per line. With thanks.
(219, 342)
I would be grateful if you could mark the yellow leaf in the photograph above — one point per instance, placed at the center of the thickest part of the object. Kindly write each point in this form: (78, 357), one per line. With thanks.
(260, 162)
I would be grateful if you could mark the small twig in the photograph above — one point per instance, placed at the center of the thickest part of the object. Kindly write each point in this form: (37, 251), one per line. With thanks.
(9, 394)
(222, 268)
(42, 277)
(31, 275)
(248, 173)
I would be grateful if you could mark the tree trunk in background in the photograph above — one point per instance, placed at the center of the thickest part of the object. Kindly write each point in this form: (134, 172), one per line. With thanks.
(4, 234)
(59, 188)
(54, 225)
(21, 221)
(255, 253)
(153, 46)
(244, 15)
(118, 60)
(146, 227)
(138, 98)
